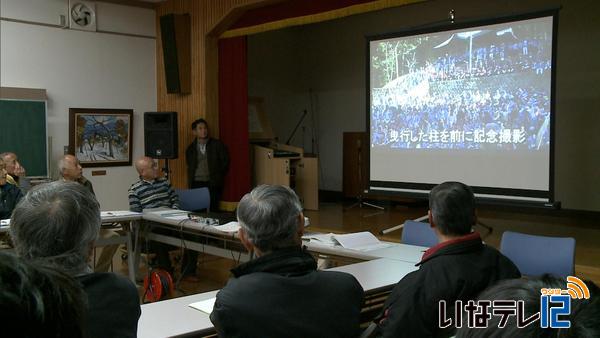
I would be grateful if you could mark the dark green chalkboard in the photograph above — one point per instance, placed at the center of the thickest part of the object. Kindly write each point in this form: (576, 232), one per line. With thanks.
(23, 131)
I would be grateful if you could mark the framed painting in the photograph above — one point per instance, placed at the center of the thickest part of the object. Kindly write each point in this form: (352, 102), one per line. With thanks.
(101, 137)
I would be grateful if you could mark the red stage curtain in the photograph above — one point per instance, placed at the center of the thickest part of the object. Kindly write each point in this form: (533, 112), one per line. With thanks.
(233, 115)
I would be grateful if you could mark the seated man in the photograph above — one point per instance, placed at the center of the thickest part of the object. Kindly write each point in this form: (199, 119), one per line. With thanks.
(151, 191)
(58, 223)
(10, 194)
(458, 268)
(16, 172)
(70, 170)
(38, 301)
(281, 293)
(154, 192)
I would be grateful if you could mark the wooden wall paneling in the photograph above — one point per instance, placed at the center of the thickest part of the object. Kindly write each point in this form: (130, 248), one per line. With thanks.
(203, 98)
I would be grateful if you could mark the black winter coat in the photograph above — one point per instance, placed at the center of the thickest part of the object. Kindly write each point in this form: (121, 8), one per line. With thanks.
(218, 161)
(282, 294)
(10, 195)
(455, 270)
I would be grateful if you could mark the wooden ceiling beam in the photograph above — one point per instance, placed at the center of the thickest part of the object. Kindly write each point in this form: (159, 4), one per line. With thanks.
(133, 3)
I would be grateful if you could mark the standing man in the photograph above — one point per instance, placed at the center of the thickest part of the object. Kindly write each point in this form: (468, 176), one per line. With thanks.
(70, 170)
(16, 172)
(207, 162)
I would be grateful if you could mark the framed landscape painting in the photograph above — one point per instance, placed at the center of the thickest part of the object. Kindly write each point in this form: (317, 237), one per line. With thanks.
(101, 137)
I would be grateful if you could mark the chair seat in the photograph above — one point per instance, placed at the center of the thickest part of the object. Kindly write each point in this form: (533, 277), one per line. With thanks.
(538, 255)
(194, 199)
(418, 233)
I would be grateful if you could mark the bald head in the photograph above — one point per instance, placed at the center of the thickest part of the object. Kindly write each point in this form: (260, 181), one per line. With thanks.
(146, 167)
(70, 168)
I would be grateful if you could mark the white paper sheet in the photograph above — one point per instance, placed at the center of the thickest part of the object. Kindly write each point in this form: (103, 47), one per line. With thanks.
(177, 217)
(363, 241)
(205, 306)
(325, 239)
(228, 227)
(172, 213)
(118, 213)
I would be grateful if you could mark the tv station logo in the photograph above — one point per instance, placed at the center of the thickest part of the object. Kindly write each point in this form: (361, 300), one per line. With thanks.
(554, 305)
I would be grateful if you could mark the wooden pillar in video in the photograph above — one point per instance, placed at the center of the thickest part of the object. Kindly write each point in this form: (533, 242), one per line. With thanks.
(356, 160)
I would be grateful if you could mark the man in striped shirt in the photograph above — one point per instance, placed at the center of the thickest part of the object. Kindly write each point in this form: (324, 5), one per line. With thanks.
(153, 192)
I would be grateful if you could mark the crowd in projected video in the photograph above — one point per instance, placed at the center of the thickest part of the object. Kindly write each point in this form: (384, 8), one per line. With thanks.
(484, 88)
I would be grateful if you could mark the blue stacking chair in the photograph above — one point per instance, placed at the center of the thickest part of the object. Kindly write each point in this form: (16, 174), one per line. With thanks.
(194, 199)
(538, 255)
(418, 233)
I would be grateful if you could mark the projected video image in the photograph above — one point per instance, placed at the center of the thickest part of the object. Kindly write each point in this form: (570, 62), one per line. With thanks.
(483, 88)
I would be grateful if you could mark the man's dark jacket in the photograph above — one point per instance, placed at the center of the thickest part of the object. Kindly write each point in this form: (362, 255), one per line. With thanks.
(454, 270)
(217, 157)
(10, 195)
(282, 294)
(113, 305)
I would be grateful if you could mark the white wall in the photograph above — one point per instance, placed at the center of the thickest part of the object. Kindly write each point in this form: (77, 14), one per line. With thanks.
(328, 60)
(85, 70)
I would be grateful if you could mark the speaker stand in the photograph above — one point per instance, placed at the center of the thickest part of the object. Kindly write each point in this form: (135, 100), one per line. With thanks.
(360, 202)
(166, 169)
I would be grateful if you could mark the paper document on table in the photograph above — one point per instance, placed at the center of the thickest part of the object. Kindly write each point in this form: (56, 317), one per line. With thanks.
(171, 214)
(118, 213)
(325, 239)
(205, 306)
(363, 241)
(228, 227)
(178, 217)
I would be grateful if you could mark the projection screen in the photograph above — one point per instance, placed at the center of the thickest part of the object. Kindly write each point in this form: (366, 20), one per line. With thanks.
(470, 103)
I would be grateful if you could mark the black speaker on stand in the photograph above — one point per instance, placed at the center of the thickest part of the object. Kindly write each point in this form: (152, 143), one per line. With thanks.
(355, 155)
(160, 136)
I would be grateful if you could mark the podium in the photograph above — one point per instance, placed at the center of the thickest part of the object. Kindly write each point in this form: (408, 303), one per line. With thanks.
(287, 165)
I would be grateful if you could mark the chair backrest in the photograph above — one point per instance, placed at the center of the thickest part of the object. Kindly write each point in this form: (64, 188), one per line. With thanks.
(538, 255)
(193, 199)
(418, 233)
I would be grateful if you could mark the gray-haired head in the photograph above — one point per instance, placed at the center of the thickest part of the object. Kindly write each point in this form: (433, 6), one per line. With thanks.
(452, 206)
(58, 223)
(269, 215)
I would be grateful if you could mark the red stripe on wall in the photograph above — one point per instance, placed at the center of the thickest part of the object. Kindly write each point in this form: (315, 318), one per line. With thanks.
(233, 115)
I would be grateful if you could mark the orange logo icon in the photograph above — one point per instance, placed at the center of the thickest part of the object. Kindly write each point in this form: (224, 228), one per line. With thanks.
(577, 288)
